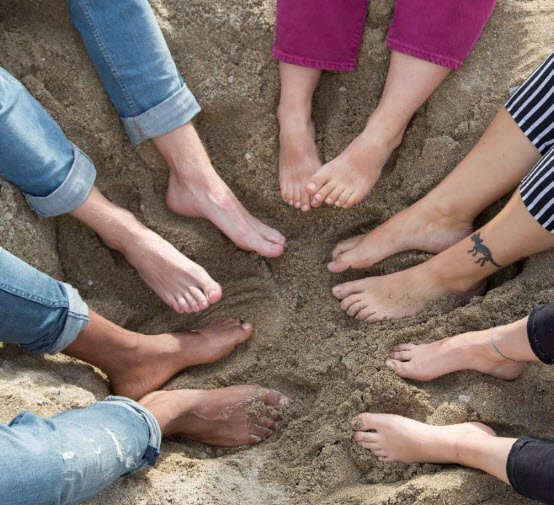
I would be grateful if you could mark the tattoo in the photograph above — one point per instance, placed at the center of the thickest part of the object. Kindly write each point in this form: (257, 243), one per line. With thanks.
(479, 247)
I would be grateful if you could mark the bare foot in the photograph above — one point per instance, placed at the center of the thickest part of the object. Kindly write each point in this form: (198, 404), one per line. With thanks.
(195, 190)
(347, 179)
(396, 438)
(419, 227)
(467, 351)
(178, 281)
(298, 160)
(224, 417)
(396, 295)
(150, 361)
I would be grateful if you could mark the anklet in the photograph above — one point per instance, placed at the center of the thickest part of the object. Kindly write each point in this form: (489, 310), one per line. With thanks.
(495, 347)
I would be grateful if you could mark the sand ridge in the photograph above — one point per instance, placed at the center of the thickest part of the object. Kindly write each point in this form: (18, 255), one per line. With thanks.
(332, 367)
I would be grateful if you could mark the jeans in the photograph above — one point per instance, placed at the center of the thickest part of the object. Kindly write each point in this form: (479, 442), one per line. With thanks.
(134, 63)
(73, 456)
(327, 34)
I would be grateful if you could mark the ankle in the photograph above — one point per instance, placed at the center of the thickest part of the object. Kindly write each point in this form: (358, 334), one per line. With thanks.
(450, 280)
(124, 229)
(379, 127)
(294, 116)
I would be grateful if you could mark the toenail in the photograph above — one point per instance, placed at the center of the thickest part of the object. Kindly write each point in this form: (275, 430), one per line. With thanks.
(390, 364)
(317, 197)
(246, 326)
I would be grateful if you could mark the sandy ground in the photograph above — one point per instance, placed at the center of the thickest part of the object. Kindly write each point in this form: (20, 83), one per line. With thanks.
(331, 366)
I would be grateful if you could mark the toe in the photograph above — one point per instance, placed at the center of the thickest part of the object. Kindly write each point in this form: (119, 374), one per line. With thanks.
(275, 398)
(200, 298)
(346, 245)
(296, 196)
(365, 314)
(183, 305)
(402, 369)
(333, 196)
(241, 332)
(322, 193)
(350, 300)
(191, 301)
(343, 198)
(259, 431)
(317, 181)
(342, 262)
(402, 355)
(266, 422)
(350, 202)
(366, 421)
(341, 291)
(355, 308)
(366, 436)
(304, 200)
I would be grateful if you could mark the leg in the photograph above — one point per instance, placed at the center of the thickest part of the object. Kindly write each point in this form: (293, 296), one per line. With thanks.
(526, 463)
(513, 143)
(427, 41)
(445, 215)
(310, 36)
(347, 179)
(57, 178)
(501, 352)
(57, 320)
(51, 460)
(396, 438)
(298, 156)
(136, 68)
(513, 234)
(138, 364)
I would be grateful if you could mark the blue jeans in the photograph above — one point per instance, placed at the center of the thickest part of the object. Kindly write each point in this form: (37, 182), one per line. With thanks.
(72, 456)
(135, 66)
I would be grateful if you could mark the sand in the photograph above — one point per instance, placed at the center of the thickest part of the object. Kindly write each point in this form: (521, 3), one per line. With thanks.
(332, 367)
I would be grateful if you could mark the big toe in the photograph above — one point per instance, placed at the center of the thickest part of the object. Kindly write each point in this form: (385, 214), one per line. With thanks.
(342, 262)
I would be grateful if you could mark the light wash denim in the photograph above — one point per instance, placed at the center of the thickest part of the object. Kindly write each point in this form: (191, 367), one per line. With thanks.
(37, 312)
(131, 56)
(73, 456)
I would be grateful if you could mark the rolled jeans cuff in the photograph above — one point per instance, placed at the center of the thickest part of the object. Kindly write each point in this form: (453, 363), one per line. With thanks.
(152, 451)
(76, 320)
(73, 191)
(163, 118)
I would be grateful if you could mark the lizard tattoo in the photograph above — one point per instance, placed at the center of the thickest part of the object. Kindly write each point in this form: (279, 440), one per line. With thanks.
(479, 247)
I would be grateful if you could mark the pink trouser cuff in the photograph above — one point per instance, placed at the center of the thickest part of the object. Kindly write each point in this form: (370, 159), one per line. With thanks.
(437, 59)
(308, 62)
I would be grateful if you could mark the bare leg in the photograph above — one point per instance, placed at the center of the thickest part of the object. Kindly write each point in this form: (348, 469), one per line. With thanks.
(196, 190)
(513, 234)
(232, 416)
(179, 282)
(396, 438)
(137, 364)
(445, 215)
(348, 179)
(468, 351)
(298, 156)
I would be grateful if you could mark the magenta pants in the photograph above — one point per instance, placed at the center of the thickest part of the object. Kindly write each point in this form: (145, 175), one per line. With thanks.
(327, 34)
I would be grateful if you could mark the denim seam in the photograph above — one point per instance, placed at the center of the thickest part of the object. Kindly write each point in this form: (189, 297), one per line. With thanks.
(443, 61)
(107, 57)
(58, 304)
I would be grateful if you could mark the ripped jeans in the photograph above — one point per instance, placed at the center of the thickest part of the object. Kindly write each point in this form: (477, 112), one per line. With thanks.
(73, 456)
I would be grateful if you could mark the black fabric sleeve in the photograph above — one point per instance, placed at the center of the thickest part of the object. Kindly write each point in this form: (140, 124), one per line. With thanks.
(540, 330)
(530, 468)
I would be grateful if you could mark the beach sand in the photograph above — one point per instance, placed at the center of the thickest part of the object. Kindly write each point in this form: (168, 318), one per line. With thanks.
(331, 366)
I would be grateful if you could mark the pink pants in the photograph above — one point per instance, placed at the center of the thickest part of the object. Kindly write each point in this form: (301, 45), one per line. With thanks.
(327, 34)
